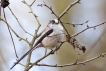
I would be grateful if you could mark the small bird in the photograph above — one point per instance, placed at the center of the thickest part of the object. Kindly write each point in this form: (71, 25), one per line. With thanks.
(50, 38)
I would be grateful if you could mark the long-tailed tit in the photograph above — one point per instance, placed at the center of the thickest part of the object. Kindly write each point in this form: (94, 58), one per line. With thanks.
(51, 37)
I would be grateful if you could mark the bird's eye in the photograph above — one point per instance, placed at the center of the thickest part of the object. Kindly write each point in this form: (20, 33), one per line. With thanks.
(52, 21)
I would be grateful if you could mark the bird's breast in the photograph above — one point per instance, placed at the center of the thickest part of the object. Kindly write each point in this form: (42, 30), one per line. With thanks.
(53, 39)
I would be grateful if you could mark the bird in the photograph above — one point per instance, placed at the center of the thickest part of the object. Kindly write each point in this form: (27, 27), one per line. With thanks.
(50, 38)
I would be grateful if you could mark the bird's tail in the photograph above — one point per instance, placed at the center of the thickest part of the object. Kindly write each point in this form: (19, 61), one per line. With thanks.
(33, 48)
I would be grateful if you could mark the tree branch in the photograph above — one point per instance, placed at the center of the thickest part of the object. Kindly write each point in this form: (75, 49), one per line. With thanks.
(68, 8)
(74, 24)
(75, 63)
(94, 27)
(15, 32)
(36, 31)
(32, 2)
(18, 21)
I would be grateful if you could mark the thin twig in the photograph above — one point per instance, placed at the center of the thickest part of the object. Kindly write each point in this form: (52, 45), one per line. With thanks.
(15, 32)
(35, 34)
(10, 34)
(68, 8)
(94, 27)
(73, 24)
(33, 2)
(18, 21)
(32, 11)
(50, 8)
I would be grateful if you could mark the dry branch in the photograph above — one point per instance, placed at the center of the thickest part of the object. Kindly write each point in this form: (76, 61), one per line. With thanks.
(32, 2)
(88, 27)
(18, 21)
(76, 62)
(68, 8)
(36, 31)
(15, 32)
(74, 24)
(10, 34)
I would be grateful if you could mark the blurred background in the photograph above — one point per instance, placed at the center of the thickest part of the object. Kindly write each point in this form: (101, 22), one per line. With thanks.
(94, 40)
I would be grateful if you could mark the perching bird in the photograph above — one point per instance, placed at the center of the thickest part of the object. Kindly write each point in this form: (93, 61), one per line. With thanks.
(50, 38)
